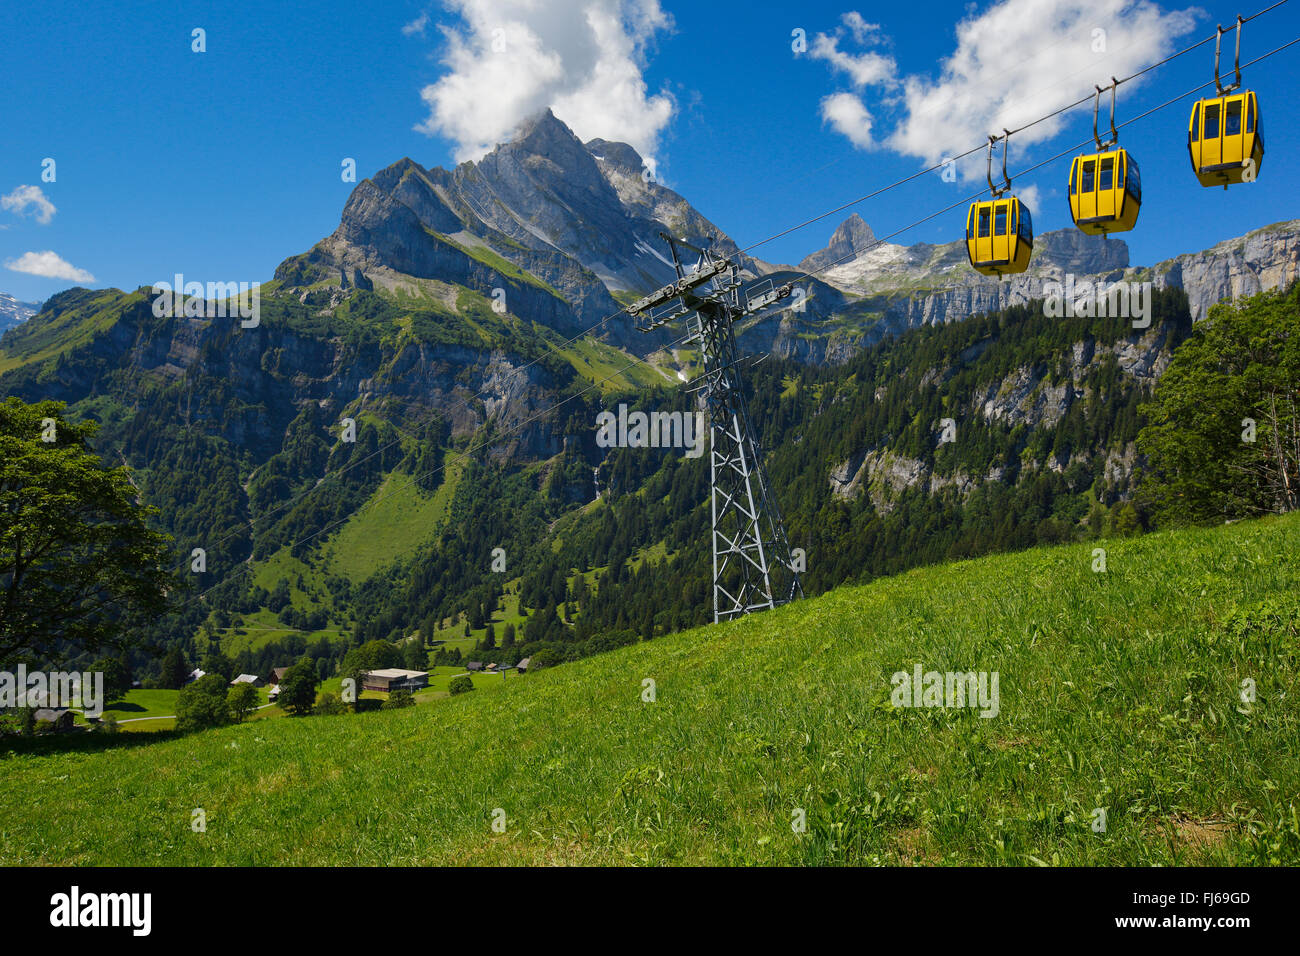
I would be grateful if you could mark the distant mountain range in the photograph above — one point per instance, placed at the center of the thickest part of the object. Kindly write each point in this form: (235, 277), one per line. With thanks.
(441, 290)
(925, 284)
(13, 312)
(570, 232)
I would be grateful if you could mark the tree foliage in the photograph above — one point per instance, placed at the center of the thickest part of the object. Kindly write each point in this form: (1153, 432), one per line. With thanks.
(242, 701)
(175, 672)
(1224, 435)
(202, 704)
(330, 705)
(117, 679)
(218, 663)
(298, 687)
(397, 699)
(77, 555)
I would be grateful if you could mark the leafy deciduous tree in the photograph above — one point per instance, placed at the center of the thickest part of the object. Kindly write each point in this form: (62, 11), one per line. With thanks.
(76, 552)
(298, 687)
(202, 704)
(242, 700)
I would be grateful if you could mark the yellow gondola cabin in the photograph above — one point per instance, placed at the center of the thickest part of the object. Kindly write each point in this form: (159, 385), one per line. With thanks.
(1224, 139)
(1105, 192)
(999, 236)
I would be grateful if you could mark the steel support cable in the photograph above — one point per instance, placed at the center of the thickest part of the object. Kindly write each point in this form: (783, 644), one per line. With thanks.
(984, 145)
(465, 403)
(878, 241)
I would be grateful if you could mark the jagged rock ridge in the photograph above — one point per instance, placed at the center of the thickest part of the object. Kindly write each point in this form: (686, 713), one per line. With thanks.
(926, 284)
(567, 229)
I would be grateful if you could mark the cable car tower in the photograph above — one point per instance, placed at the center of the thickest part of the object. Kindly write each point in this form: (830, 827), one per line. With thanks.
(752, 566)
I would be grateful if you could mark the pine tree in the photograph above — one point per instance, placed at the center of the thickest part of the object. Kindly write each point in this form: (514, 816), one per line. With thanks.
(174, 670)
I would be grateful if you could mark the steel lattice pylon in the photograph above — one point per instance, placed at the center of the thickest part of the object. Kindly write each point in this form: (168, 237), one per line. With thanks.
(752, 566)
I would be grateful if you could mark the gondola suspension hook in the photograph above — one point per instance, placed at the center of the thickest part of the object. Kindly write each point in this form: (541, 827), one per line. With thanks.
(1006, 145)
(997, 191)
(1236, 60)
(1096, 109)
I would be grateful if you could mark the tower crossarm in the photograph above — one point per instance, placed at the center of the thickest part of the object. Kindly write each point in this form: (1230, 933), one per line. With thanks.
(681, 289)
(769, 296)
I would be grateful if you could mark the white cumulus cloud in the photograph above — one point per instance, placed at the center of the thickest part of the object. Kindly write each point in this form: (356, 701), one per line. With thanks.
(49, 265)
(1012, 63)
(845, 114)
(509, 59)
(867, 68)
(26, 198)
(1030, 195)
(416, 26)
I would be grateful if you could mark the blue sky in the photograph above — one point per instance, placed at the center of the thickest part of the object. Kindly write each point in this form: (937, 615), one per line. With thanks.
(221, 164)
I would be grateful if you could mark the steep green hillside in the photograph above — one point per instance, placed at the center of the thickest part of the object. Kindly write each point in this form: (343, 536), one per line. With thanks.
(79, 315)
(1119, 690)
(392, 524)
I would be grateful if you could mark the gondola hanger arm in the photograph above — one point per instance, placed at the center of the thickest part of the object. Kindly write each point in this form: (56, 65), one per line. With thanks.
(1006, 145)
(997, 191)
(1236, 60)
(1096, 112)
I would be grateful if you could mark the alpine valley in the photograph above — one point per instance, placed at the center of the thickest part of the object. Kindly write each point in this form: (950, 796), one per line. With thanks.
(467, 322)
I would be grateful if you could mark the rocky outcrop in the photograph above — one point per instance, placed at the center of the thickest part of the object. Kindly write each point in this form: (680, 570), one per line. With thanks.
(1267, 258)
(880, 472)
(810, 330)
(1028, 396)
(853, 238)
(924, 284)
(1033, 396)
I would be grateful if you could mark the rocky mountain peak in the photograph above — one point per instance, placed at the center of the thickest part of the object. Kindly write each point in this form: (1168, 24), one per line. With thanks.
(855, 232)
(852, 238)
(562, 226)
(544, 135)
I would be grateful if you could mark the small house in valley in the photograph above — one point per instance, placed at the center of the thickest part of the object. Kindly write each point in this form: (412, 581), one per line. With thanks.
(390, 679)
(58, 720)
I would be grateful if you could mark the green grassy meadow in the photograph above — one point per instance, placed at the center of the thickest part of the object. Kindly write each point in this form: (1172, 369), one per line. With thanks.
(397, 519)
(393, 524)
(1119, 690)
(143, 705)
